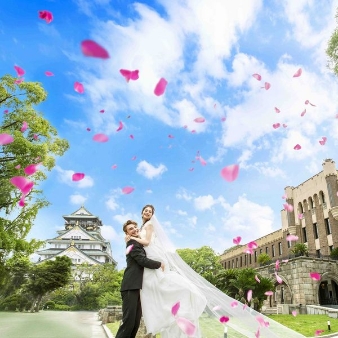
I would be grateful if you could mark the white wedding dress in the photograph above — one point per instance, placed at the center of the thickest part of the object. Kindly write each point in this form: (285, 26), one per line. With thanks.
(162, 290)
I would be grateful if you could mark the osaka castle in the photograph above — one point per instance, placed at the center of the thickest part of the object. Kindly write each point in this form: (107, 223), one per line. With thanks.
(81, 241)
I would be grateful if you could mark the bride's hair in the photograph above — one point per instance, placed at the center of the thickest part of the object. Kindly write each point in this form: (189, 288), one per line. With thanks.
(148, 206)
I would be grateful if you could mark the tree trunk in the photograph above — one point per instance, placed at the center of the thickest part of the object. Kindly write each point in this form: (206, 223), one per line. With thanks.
(36, 304)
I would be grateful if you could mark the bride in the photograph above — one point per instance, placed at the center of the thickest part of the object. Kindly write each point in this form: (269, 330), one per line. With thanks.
(198, 299)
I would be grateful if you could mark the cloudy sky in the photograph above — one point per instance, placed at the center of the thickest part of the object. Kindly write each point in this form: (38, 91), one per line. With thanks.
(208, 52)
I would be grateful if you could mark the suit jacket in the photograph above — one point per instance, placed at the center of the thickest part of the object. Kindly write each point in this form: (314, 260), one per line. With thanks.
(136, 262)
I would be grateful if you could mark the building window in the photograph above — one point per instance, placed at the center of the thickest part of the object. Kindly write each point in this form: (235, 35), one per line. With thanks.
(310, 203)
(304, 235)
(328, 226)
(240, 262)
(255, 256)
(266, 250)
(229, 265)
(273, 250)
(289, 242)
(233, 264)
(245, 259)
(250, 259)
(318, 253)
(260, 251)
(315, 230)
(280, 250)
(322, 197)
(236, 262)
(331, 248)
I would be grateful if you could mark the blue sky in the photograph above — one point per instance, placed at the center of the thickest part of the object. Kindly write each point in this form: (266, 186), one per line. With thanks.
(207, 51)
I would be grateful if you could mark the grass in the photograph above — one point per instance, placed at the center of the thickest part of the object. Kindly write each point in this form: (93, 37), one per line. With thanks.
(307, 324)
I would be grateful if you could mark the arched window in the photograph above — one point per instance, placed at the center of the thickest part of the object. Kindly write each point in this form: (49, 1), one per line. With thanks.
(300, 208)
(322, 197)
(310, 203)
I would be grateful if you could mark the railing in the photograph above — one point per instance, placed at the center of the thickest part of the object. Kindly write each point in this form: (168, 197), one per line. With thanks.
(328, 301)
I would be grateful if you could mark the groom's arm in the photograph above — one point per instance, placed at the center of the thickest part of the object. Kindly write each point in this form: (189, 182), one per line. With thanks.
(138, 253)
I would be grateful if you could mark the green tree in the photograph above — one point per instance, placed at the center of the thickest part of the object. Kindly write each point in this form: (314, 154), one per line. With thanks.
(38, 144)
(203, 260)
(332, 50)
(46, 277)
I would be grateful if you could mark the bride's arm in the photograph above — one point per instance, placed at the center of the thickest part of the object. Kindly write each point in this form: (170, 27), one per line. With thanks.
(149, 231)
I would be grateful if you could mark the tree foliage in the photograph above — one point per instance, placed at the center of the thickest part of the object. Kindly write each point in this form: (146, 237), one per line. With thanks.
(38, 144)
(332, 49)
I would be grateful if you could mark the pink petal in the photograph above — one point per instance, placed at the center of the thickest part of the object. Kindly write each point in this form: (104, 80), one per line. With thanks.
(193, 131)
(285, 260)
(202, 161)
(24, 126)
(257, 77)
(234, 303)
(88, 129)
(114, 166)
(294, 313)
(315, 275)
(303, 112)
(300, 216)
(102, 111)
(267, 85)
(93, 49)
(223, 119)
(22, 183)
(48, 73)
(6, 139)
(277, 264)
(6, 111)
(134, 75)
(35, 137)
(100, 138)
(248, 251)
(129, 248)
(216, 308)
(258, 333)
(257, 279)
(292, 238)
(245, 306)
(261, 320)
(127, 190)
(185, 126)
(277, 110)
(268, 293)
(133, 158)
(284, 125)
(78, 177)
(237, 240)
(288, 207)
(279, 280)
(249, 295)
(120, 126)
(18, 81)
(19, 71)
(170, 136)
(78, 87)
(160, 87)
(175, 308)
(129, 74)
(252, 245)
(276, 125)
(131, 136)
(18, 166)
(298, 73)
(186, 326)
(319, 332)
(46, 15)
(284, 196)
(191, 169)
(31, 169)
(297, 147)
(308, 102)
(224, 319)
(199, 119)
(230, 172)
(22, 201)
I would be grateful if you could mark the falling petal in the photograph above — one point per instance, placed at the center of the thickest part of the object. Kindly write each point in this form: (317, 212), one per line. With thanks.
(185, 126)
(202, 160)
(93, 49)
(100, 138)
(78, 87)
(46, 15)
(102, 111)
(234, 303)
(120, 126)
(248, 251)
(48, 73)
(129, 248)
(277, 110)
(22, 201)
(129, 74)
(298, 73)
(114, 166)
(279, 280)
(260, 320)
(297, 147)
(22, 183)
(245, 306)
(216, 308)
(257, 279)
(276, 125)
(131, 136)
(78, 177)
(193, 131)
(277, 264)
(6, 111)
(175, 308)
(186, 326)
(88, 129)
(292, 238)
(300, 216)
(284, 196)
(223, 119)
(267, 85)
(237, 240)
(199, 119)
(230, 172)
(35, 137)
(24, 126)
(258, 333)
(19, 71)
(170, 136)
(323, 140)
(268, 293)
(285, 261)
(249, 296)
(18, 166)
(284, 125)
(257, 77)
(308, 102)
(319, 332)
(252, 245)
(294, 313)
(160, 87)
(303, 112)
(133, 158)
(6, 139)
(315, 275)
(288, 207)
(224, 319)
(127, 190)
(191, 169)
(18, 81)
(31, 169)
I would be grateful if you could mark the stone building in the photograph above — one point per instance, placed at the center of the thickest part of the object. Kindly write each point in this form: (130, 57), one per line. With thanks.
(81, 241)
(314, 219)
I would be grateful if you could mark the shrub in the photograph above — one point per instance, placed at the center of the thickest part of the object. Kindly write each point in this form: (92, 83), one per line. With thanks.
(49, 305)
(263, 258)
(334, 253)
(300, 249)
(62, 307)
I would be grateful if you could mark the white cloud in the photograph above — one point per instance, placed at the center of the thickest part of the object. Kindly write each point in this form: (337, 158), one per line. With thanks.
(109, 233)
(182, 213)
(149, 171)
(122, 218)
(65, 176)
(77, 199)
(207, 202)
(182, 194)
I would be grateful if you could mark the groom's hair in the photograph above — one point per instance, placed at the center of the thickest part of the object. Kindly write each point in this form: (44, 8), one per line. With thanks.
(127, 223)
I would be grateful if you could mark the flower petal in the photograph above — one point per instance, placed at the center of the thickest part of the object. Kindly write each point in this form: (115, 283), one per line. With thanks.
(129, 74)
(31, 169)
(127, 190)
(257, 76)
(175, 308)
(230, 172)
(129, 248)
(279, 280)
(249, 296)
(78, 87)
(276, 125)
(114, 166)
(297, 147)
(294, 313)
(216, 308)
(303, 113)
(78, 177)
(100, 138)
(24, 126)
(277, 264)
(277, 110)
(93, 49)
(102, 111)
(46, 15)
(6, 139)
(19, 71)
(48, 73)
(292, 238)
(224, 319)
(234, 303)
(22, 183)
(267, 85)
(199, 119)
(315, 275)
(186, 326)
(268, 293)
(131, 136)
(257, 279)
(237, 240)
(298, 73)
(160, 87)
(120, 126)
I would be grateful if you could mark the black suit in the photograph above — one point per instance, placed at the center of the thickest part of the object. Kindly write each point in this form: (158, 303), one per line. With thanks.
(130, 289)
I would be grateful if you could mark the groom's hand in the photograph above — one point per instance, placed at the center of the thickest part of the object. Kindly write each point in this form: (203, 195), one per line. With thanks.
(162, 266)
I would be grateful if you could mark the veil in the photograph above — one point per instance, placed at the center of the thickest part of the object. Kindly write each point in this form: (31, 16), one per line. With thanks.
(243, 321)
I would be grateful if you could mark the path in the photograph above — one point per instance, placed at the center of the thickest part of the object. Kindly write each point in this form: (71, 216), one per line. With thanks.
(51, 324)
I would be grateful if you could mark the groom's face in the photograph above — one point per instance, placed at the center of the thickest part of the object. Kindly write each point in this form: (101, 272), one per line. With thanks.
(132, 230)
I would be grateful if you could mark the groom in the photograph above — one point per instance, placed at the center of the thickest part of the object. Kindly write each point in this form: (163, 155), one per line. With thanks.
(132, 283)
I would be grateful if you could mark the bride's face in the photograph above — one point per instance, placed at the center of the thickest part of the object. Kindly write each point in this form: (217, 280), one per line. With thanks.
(147, 213)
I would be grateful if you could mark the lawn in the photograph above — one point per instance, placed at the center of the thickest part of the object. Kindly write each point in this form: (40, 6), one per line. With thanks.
(307, 324)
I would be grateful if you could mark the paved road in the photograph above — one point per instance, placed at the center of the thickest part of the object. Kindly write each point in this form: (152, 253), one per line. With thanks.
(51, 324)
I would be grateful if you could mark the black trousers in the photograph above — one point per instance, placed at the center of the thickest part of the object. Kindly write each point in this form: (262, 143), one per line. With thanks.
(131, 314)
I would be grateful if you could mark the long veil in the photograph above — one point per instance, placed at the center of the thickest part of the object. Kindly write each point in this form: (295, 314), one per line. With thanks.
(243, 321)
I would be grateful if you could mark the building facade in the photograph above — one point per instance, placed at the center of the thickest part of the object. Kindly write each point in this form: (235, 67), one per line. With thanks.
(314, 219)
(81, 241)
